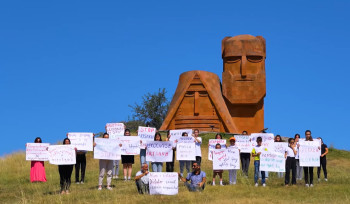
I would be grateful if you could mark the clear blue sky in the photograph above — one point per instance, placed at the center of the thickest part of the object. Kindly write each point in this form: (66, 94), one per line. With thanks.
(73, 66)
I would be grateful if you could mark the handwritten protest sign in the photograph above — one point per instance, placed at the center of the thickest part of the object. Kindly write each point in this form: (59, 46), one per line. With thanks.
(280, 147)
(226, 159)
(267, 139)
(212, 143)
(309, 153)
(130, 145)
(272, 161)
(243, 143)
(107, 149)
(188, 139)
(186, 151)
(115, 129)
(37, 152)
(61, 154)
(146, 134)
(163, 183)
(176, 134)
(159, 151)
(81, 140)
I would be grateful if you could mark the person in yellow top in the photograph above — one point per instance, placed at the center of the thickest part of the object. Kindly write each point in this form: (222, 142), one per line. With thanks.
(256, 154)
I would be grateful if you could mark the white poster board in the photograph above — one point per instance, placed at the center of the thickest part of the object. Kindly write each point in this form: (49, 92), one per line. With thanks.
(267, 140)
(130, 145)
(61, 154)
(212, 143)
(272, 161)
(115, 129)
(224, 159)
(176, 134)
(107, 149)
(188, 139)
(37, 152)
(185, 151)
(280, 147)
(159, 151)
(81, 140)
(309, 153)
(163, 183)
(146, 134)
(243, 142)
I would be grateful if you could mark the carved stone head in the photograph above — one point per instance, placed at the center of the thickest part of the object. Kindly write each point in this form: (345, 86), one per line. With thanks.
(243, 77)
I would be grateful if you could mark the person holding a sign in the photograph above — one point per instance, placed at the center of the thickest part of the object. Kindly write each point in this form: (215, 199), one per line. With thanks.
(232, 173)
(142, 180)
(197, 178)
(308, 170)
(184, 162)
(198, 142)
(245, 159)
(37, 168)
(170, 165)
(127, 161)
(217, 172)
(256, 154)
(278, 138)
(299, 169)
(157, 166)
(106, 166)
(290, 162)
(65, 173)
(323, 161)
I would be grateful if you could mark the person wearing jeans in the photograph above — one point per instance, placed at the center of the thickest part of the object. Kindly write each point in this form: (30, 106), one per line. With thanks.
(115, 170)
(299, 169)
(256, 152)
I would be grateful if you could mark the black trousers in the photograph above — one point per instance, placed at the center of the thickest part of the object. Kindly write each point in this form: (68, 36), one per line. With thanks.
(170, 165)
(245, 160)
(290, 165)
(323, 164)
(65, 174)
(81, 163)
(309, 171)
(198, 160)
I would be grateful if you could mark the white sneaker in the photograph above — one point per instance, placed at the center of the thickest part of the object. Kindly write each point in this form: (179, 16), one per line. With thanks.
(234, 183)
(213, 184)
(318, 179)
(81, 182)
(116, 177)
(77, 182)
(264, 185)
(307, 185)
(311, 185)
(221, 184)
(325, 179)
(109, 188)
(99, 188)
(256, 184)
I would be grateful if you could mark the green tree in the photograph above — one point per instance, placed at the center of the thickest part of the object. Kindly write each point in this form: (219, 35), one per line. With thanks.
(152, 109)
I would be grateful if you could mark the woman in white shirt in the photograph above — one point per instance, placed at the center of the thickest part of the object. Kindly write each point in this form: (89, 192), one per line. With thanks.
(290, 162)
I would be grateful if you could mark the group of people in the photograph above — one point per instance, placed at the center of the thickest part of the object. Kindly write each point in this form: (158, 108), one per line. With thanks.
(196, 177)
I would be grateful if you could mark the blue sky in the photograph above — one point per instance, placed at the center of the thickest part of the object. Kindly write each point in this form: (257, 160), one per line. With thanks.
(73, 66)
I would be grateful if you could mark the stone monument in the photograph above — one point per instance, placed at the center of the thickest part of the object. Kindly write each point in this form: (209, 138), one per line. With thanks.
(200, 101)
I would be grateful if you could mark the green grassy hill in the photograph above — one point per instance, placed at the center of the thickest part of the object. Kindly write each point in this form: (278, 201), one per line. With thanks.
(15, 186)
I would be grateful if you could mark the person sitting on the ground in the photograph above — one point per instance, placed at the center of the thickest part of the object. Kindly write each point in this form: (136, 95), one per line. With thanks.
(142, 180)
(197, 178)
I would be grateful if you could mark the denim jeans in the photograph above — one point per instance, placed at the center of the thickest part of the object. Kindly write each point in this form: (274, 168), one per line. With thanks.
(232, 174)
(115, 170)
(182, 165)
(143, 157)
(157, 166)
(193, 188)
(256, 172)
(299, 170)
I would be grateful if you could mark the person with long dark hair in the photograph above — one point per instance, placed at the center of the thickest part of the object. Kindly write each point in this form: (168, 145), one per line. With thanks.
(157, 166)
(308, 170)
(323, 161)
(106, 167)
(65, 173)
(184, 163)
(170, 165)
(278, 138)
(299, 169)
(127, 161)
(245, 159)
(37, 168)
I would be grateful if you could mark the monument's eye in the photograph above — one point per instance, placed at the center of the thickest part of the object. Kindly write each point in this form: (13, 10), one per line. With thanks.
(232, 59)
(255, 59)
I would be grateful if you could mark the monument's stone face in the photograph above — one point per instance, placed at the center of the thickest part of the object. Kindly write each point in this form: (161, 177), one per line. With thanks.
(199, 102)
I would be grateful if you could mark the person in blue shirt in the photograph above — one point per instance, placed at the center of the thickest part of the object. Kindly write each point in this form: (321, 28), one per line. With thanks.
(197, 178)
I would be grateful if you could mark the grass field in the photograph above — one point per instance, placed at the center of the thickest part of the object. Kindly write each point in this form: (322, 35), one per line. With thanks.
(15, 186)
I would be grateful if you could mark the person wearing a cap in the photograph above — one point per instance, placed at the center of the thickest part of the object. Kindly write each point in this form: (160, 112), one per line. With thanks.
(232, 173)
